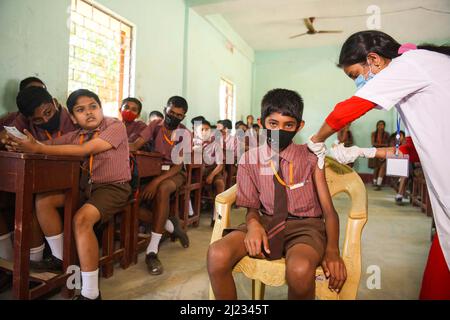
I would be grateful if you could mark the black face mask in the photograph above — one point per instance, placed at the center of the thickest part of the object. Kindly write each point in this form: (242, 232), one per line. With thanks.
(171, 122)
(52, 124)
(283, 140)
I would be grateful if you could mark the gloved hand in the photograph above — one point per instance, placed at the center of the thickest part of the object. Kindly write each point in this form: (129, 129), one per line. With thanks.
(320, 150)
(350, 154)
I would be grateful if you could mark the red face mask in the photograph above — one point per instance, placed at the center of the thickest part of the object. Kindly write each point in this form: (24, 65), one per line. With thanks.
(128, 116)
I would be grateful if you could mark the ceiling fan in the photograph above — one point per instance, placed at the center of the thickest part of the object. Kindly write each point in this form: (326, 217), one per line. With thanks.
(309, 25)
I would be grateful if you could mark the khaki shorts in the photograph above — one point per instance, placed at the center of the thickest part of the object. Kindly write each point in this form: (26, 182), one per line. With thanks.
(309, 231)
(109, 199)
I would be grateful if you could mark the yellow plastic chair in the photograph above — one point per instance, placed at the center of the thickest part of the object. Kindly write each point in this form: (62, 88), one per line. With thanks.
(340, 178)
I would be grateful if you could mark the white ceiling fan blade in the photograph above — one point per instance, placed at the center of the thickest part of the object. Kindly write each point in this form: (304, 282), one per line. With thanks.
(330, 31)
(298, 35)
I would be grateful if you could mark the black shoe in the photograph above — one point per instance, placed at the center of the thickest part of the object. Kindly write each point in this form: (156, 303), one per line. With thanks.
(179, 233)
(49, 264)
(81, 297)
(377, 188)
(5, 281)
(399, 201)
(154, 266)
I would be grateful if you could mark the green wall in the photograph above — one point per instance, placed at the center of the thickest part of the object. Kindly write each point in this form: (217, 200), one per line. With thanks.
(177, 52)
(34, 40)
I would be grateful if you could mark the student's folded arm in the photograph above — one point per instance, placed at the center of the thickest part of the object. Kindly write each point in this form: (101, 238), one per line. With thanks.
(137, 144)
(94, 146)
(329, 212)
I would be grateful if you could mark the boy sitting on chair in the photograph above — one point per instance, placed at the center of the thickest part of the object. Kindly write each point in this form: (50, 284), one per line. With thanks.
(289, 208)
(104, 184)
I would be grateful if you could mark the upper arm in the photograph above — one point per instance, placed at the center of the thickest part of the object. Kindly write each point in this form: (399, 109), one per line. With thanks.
(323, 192)
(95, 146)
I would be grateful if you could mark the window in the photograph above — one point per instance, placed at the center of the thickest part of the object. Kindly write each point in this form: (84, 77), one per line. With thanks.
(100, 54)
(227, 105)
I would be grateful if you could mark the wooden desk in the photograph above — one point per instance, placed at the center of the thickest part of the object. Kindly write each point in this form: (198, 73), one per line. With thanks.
(26, 175)
(149, 165)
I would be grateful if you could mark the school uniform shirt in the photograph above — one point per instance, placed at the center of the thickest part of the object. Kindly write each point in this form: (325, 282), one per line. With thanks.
(418, 84)
(134, 128)
(157, 132)
(8, 119)
(255, 180)
(65, 126)
(111, 166)
(212, 153)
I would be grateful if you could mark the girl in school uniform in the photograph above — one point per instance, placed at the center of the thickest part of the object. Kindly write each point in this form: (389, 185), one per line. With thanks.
(414, 79)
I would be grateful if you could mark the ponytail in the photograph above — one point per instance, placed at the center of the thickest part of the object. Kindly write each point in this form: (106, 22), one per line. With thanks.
(445, 49)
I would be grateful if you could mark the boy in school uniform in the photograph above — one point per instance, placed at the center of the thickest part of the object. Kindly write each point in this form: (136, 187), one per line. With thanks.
(41, 114)
(154, 115)
(212, 153)
(130, 111)
(155, 196)
(104, 184)
(287, 201)
(8, 119)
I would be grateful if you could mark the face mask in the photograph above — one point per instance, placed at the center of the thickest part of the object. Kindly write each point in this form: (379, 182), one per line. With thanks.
(128, 115)
(171, 122)
(52, 124)
(283, 140)
(360, 81)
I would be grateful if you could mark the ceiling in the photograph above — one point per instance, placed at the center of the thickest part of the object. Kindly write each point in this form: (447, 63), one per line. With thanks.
(268, 24)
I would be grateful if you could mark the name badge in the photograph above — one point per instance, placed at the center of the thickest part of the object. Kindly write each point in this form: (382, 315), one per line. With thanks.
(296, 186)
(165, 167)
(397, 166)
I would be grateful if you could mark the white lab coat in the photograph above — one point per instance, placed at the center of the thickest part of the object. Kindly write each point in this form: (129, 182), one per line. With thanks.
(418, 84)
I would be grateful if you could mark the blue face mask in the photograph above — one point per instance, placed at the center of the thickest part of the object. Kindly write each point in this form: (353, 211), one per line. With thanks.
(360, 81)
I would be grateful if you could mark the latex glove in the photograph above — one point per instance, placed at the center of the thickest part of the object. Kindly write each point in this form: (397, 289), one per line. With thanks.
(350, 154)
(320, 150)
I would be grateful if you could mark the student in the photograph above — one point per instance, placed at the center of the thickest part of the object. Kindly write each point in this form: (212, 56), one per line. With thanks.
(240, 125)
(212, 153)
(154, 115)
(155, 196)
(104, 185)
(380, 139)
(228, 140)
(130, 111)
(197, 120)
(305, 239)
(9, 118)
(42, 115)
(38, 113)
(250, 120)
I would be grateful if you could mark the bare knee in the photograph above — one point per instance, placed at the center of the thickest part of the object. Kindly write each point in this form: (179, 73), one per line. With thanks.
(300, 274)
(218, 259)
(83, 221)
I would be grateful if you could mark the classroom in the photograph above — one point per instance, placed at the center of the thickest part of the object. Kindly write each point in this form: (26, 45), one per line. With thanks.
(224, 149)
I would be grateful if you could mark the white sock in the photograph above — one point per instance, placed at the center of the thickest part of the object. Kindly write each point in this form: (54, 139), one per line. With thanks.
(379, 181)
(191, 210)
(398, 196)
(36, 254)
(89, 287)
(6, 247)
(169, 226)
(154, 243)
(56, 245)
(374, 181)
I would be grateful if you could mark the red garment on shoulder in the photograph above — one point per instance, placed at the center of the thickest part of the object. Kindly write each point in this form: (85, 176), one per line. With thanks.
(347, 111)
